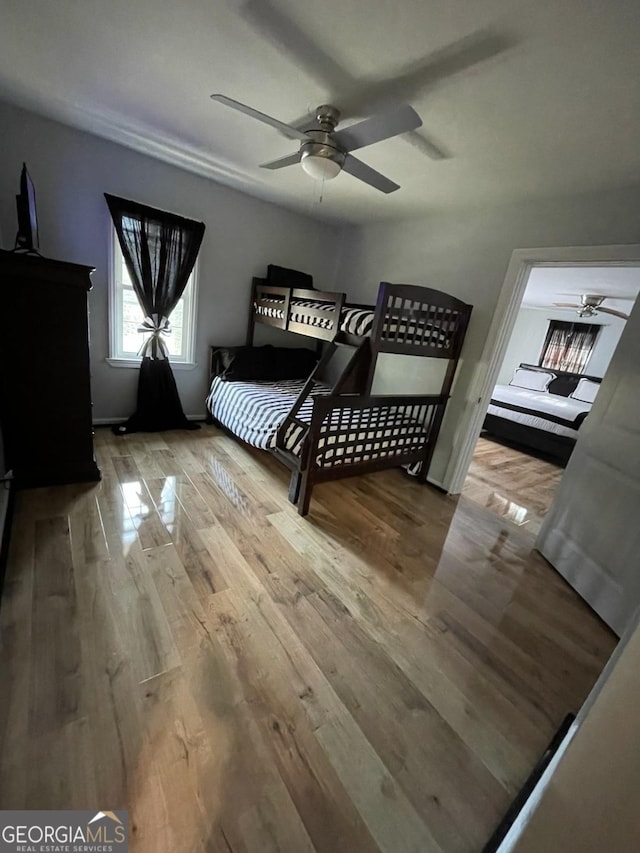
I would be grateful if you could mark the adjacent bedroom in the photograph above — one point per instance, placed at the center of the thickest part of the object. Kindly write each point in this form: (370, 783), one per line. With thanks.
(566, 331)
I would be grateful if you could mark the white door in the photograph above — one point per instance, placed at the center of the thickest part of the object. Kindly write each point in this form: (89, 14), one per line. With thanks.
(592, 532)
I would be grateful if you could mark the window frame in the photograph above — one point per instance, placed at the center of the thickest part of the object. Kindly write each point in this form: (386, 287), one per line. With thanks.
(117, 356)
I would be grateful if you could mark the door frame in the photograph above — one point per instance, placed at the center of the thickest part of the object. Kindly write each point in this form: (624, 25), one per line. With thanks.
(501, 329)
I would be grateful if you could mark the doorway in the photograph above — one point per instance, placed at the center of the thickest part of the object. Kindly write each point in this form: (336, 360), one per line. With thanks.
(567, 328)
(586, 263)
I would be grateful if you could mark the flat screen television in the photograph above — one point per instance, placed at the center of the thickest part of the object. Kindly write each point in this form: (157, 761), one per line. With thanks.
(27, 237)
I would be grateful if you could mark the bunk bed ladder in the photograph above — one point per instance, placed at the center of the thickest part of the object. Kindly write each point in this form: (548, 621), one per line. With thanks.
(350, 381)
(292, 418)
(354, 378)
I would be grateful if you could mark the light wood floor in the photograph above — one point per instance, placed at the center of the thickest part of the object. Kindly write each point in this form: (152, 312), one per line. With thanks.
(176, 640)
(512, 484)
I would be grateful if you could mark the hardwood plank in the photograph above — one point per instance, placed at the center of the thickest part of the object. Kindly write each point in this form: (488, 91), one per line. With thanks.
(434, 768)
(126, 469)
(148, 524)
(272, 686)
(133, 601)
(167, 462)
(15, 657)
(201, 565)
(246, 800)
(146, 464)
(88, 538)
(112, 662)
(193, 503)
(56, 696)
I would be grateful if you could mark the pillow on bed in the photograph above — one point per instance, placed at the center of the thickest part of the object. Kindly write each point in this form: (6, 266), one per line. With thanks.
(564, 385)
(283, 277)
(586, 391)
(267, 363)
(533, 380)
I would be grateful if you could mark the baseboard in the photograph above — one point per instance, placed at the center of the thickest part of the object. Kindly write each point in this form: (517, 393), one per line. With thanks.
(437, 484)
(494, 844)
(112, 421)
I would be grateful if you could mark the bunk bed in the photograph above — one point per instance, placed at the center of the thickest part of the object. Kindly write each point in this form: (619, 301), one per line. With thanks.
(323, 432)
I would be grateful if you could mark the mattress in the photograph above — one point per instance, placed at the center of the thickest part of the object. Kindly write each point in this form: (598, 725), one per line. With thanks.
(539, 409)
(354, 320)
(254, 411)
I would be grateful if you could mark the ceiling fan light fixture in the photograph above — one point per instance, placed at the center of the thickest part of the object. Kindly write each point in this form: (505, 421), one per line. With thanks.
(320, 167)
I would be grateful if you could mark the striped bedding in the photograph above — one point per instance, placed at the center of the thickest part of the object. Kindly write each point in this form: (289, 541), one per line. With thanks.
(354, 320)
(253, 411)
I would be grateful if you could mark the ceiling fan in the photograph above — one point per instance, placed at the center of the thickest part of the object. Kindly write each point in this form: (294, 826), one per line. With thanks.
(591, 305)
(325, 152)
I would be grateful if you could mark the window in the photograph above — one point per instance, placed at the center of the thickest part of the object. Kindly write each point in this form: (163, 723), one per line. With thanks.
(568, 345)
(126, 315)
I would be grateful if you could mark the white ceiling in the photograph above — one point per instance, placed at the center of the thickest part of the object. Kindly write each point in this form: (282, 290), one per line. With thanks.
(556, 111)
(547, 285)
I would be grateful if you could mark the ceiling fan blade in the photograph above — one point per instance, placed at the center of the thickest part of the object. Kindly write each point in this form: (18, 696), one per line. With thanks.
(426, 145)
(287, 130)
(614, 312)
(455, 58)
(290, 160)
(567, 305)
(288, 38)
(365, 173)
(380, 127)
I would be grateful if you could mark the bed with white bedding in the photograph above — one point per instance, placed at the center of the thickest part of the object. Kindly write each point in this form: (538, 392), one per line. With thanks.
(542, 410)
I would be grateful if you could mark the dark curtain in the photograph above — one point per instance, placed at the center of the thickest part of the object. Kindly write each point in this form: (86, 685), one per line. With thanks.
(160, 250)
(568, 345)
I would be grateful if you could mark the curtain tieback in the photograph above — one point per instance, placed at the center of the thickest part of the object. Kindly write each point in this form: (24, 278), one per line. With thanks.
(154, 347)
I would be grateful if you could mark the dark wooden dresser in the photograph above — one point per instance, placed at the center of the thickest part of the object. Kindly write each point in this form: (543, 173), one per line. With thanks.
(45, 382)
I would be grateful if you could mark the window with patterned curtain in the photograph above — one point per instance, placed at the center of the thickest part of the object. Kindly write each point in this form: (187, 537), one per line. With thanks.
(568, 345)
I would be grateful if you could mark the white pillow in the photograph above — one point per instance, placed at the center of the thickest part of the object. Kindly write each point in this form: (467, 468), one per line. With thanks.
(533, 380)
(585, 391)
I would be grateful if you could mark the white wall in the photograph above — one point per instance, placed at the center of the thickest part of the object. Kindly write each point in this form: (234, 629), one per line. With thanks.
(466, 254)
(530, 331)
(71, 171)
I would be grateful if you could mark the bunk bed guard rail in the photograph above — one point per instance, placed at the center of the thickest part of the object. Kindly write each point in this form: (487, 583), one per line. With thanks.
(317, 312)
(351, 434)
(415, 320)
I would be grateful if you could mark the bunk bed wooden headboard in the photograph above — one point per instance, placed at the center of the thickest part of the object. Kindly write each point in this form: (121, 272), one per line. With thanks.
(419, 321)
